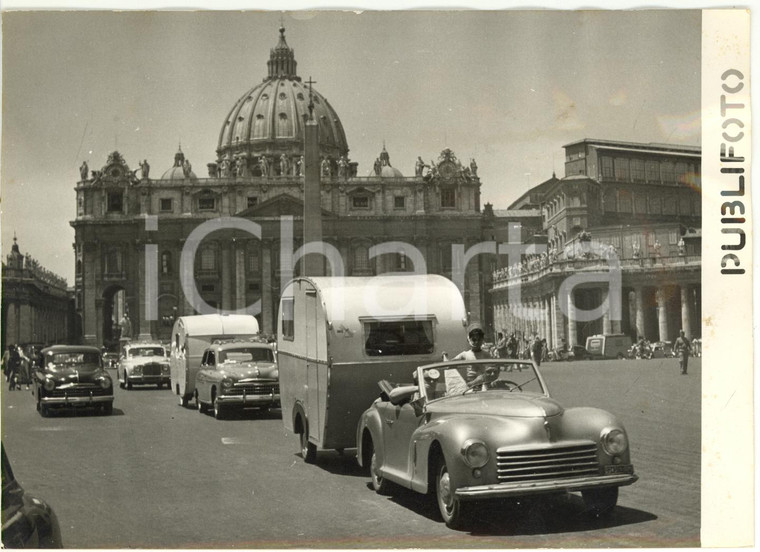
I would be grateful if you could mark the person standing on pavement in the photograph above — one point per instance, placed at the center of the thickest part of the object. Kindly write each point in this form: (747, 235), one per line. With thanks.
(682, 348)
(501, 345)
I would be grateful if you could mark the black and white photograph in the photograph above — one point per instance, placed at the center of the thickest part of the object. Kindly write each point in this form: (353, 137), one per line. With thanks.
(373, 279)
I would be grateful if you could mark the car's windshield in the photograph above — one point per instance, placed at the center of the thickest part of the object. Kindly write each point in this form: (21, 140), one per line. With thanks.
(146, 351)
(247, 354)
(71, 359)
(457, 379)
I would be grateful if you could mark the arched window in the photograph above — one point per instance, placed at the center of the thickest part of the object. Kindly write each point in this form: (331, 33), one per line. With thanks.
(259, 127)
(113, 262)
(361, 258)
(283, 126)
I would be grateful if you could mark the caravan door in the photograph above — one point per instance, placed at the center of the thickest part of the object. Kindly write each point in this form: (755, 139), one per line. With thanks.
(312, 377)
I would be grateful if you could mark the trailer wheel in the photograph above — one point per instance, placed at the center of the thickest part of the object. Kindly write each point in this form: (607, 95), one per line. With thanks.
(308, 449)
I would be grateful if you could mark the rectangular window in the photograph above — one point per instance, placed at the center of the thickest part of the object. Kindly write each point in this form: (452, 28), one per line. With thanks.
(399, 202)
(655, 205)
(399, 337)
(400, 261)
(446, 258)
(669, 205)
(653, 171)
(621, 168)
(208, 287)
(288, 325)
(607, 170)
(254, 265)
(206, 203)
(448, 198)
(252, 201)
(673, 236)
(667, 172)
(360, 202)
(625, 201)
(638, 174)
(115, 202)
(165, 205)
(254, 287)
(640, 203)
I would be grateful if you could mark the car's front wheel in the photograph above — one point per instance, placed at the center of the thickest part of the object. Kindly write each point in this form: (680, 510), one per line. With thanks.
(379, 483)
(107, 409)
(202, 408)
(219, 411)
(452, 510)
(600, 502)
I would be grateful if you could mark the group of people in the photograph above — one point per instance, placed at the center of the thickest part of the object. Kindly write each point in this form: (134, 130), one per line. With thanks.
(18, 365)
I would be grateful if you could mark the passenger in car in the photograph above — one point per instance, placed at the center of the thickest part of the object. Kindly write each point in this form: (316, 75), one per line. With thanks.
(475, 336)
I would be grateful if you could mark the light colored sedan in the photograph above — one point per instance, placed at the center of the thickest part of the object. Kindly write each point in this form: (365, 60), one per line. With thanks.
(143, 363)
(235, 375)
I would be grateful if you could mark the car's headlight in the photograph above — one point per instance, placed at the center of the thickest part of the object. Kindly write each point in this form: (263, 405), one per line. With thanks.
(614, 441)
(227, 383)
(165, 368)
(475, 453)
(105, 382)
(137, 369)
(49, 385)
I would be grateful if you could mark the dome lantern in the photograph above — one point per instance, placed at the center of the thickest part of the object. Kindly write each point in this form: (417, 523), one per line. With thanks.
(282, 61)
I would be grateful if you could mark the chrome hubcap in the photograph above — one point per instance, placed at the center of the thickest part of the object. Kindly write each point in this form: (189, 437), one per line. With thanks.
(444, 490)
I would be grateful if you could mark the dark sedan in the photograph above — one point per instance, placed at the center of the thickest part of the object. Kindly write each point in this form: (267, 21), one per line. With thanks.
(72, 376)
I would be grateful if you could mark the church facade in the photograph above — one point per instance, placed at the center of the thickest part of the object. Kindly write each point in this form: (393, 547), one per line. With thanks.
(158, 248)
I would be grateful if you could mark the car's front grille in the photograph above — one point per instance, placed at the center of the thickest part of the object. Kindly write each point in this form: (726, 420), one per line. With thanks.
(547, 463)
(152, 369)
(255, 389)
(82, 390)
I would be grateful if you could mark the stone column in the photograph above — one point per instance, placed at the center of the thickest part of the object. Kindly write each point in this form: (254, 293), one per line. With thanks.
(559, 323)
(617, 324)
(226, 274)
(640, 329)
(572, 331)
(548, 321)
(240, 284)
(662, 313)
(606, 321)
(144, 289)
(686, 311)
(267, 320)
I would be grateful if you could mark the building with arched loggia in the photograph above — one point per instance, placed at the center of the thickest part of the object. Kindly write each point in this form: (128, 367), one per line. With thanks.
(625, 208)
(37, 307)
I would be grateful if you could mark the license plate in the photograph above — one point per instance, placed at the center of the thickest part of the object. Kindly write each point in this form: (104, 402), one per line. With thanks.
(618, 468)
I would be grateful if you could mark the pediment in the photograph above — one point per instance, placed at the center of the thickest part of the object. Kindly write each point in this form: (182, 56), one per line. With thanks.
(278, 206)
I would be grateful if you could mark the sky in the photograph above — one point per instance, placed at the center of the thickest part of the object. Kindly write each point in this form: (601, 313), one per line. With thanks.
(507, 88)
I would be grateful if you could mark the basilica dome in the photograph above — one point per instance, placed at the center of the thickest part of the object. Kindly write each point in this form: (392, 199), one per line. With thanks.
(269, 118)
(181, 170)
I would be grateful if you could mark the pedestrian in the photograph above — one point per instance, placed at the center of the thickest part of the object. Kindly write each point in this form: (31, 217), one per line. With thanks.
(682, 348)
(6, 362)
(536, 350)
(14, 362)
(501, 345)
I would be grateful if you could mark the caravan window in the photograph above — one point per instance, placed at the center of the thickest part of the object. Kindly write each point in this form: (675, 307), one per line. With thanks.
(288, 327)
(402, 337)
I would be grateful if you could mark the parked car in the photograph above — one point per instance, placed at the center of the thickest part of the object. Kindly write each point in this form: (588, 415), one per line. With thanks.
(576, 352)
(110, 360)
(28, 522)
(662, 349)
(500, 435)
(143, 363)
(237, 374)
(72, 376)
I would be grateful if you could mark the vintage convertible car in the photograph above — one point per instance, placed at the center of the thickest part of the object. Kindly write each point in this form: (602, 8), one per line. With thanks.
(237, 374)
(475, 430)
(143, 363)
(28, 522)
(72, 376)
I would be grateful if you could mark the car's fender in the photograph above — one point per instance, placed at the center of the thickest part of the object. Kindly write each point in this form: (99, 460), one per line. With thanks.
(369, 426)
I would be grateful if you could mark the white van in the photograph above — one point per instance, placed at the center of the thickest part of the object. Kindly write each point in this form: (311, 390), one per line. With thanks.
(338, 337)
(608, 345)
(191, 336)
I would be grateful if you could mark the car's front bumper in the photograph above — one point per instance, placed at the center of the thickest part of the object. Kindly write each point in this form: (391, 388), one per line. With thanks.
(76, 401)
(249, 400)
(526, 488)
(145, 380)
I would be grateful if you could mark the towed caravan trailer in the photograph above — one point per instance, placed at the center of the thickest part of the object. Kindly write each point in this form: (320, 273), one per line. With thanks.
(191, 336)
(337, 337)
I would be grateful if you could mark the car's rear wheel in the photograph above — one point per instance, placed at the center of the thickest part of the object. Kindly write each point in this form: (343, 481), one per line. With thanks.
(600, 502)
(379, 483)
(452, 510)
(308, 449)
